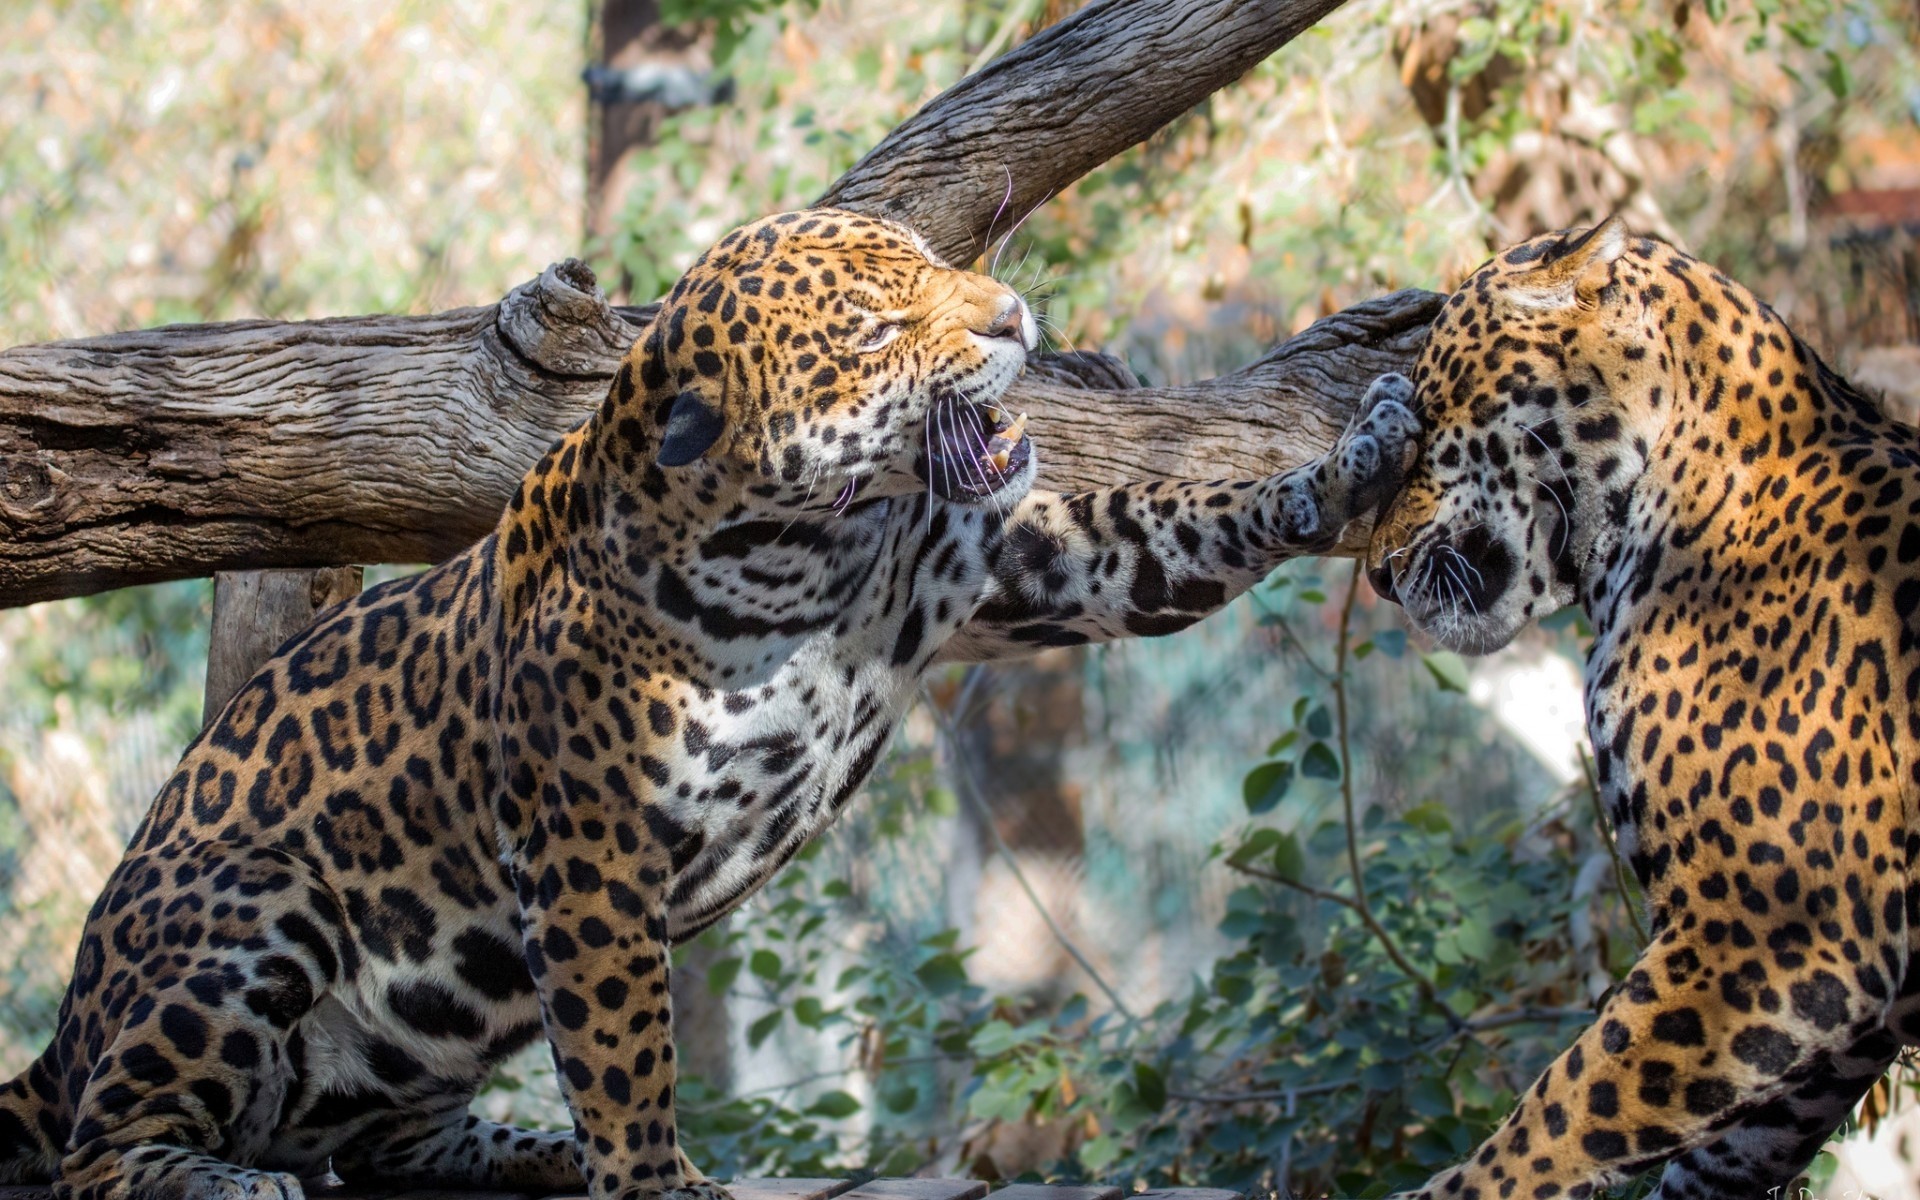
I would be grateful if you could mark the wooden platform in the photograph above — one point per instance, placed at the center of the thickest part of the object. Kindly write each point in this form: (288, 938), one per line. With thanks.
(775, 1189)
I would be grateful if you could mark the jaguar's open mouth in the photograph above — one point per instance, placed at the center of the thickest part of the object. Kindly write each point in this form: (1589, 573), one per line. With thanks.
(973, 451)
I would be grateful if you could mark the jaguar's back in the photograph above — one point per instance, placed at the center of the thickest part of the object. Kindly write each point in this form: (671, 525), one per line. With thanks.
(1618, 425)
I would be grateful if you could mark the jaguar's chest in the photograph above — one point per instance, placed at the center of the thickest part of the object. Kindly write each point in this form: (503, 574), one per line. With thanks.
(750, 766)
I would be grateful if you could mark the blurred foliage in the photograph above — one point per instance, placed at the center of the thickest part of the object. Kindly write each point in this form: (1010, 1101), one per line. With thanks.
(167, 161)
(1327, 1051)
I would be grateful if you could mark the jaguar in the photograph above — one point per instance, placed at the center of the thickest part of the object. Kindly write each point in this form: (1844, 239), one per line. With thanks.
(478, 806)
(1611, 423)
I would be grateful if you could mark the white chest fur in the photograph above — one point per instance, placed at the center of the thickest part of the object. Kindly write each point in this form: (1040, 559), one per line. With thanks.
(768, 762)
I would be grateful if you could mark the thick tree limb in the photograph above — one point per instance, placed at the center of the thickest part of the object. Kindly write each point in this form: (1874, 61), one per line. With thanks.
(181, 451)
(1061, 104)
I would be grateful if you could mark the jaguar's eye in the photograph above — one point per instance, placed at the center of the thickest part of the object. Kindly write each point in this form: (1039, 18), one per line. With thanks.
(880, 337)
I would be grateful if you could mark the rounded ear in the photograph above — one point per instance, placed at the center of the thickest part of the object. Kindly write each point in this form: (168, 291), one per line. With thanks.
(1577, 270)
(693, 426)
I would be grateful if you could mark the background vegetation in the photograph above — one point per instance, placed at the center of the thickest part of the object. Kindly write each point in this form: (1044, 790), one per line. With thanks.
(1282, 903)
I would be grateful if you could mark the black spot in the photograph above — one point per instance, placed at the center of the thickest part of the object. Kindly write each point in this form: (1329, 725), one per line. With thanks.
(1681, 1027)
(1706, 1097)
(568, 1009)
(1605, 1144)
(433, 1010)
(185, 1028)
(1821, 1000)
(1765, 1049)
(490, 966)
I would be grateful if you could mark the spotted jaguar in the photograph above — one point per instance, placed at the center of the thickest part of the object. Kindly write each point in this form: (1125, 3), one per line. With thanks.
(478, 806)
(1613, 424)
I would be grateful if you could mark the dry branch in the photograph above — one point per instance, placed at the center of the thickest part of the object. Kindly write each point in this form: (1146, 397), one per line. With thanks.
(180, 451)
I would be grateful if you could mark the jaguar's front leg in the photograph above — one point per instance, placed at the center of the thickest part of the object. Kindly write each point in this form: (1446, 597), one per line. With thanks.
(593, 882)
(594, 927)
(1152, 558)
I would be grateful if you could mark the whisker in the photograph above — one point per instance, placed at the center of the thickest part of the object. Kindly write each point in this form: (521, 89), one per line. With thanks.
(1004, 201)
(1016, 229)
(927, 441)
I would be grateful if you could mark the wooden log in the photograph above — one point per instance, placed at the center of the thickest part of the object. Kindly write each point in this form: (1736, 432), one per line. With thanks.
(254, 612)
(1047, 113)
(1055, 1191)
(179, 452)
(187, 450)
(787, 1189)
(918, 1189)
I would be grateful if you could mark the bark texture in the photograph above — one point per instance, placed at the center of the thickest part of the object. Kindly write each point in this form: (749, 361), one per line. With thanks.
(254, 612)
(1059, 105)
(186, 450)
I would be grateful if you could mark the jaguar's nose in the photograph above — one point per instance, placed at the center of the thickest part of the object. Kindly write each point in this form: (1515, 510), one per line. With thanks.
(1381, 577)
(1012, 322)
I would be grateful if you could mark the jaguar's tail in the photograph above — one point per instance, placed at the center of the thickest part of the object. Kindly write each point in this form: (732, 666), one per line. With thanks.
(30, 1134)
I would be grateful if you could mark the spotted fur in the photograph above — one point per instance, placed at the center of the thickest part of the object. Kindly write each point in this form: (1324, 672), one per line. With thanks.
(477, 806)
(1616, 425)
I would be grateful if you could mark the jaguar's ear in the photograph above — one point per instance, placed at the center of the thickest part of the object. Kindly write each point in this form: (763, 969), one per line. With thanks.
(694, 424)
(1578, 269)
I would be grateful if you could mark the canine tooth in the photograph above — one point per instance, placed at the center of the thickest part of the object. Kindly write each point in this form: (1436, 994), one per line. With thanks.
(999, 459)
(1017, 430)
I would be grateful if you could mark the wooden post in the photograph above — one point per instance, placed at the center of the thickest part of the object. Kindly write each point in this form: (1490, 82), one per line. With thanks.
(254, 612)
(646, 71)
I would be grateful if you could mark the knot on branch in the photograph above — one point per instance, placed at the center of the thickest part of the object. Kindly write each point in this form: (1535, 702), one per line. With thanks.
(561, 322)
(28, 490)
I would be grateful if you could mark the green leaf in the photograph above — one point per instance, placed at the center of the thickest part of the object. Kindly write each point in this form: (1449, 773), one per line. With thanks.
(1836, 77)
(943, 974)
(1430, 817)
(1150, 1086)
(995, 1037)
(1319, 762)
(809, 1011)
(1391, 642)
(1448, 669)
(1266, 785)
(1320, 722)
(837, 1105)
(720, 976)
(765, 963)
(1430, 1098)
(760, 1029)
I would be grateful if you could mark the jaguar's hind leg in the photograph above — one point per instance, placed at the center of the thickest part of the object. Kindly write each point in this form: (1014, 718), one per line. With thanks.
(456, 1149)
(1767, 1148)
(197, 1007)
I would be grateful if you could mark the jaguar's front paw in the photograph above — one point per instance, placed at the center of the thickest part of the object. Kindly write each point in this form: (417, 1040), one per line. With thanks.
(705, 1189)
(1379, 446)
(1386, 414)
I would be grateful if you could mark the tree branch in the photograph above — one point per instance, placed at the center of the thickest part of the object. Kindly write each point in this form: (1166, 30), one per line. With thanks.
(180, 451)
(1129, 67)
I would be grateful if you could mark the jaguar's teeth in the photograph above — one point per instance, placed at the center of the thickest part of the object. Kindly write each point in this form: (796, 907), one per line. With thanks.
(999, 459)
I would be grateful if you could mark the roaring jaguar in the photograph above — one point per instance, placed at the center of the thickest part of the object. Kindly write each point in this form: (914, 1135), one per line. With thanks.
(478, 806)
(1615, 424)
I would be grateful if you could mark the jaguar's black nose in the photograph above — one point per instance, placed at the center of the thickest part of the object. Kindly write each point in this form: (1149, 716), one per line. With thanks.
(1381, 577)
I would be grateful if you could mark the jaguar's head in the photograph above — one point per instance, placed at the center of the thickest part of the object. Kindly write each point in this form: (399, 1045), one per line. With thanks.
(1536, 387)
(827, 357)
